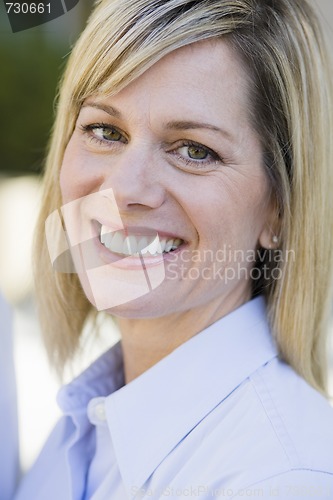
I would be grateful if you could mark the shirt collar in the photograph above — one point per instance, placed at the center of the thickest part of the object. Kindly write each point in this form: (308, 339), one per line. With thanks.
(103, 377)
(149, 416)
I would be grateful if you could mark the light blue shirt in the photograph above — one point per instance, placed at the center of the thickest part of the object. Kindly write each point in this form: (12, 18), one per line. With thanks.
(8, 414)
(220, 417)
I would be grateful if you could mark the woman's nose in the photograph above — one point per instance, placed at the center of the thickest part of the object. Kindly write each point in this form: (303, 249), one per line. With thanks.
(135, 180)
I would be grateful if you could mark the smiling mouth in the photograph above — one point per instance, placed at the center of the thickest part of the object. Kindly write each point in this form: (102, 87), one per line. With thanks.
(123, 243)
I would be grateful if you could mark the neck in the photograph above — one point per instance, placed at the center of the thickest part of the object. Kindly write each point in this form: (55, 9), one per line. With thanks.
(146, 341)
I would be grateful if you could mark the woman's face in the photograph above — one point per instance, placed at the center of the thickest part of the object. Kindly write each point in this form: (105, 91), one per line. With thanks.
(171, 161)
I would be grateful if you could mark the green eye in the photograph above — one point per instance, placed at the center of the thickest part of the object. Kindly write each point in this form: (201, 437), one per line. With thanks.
(197, 153)
(111, 134)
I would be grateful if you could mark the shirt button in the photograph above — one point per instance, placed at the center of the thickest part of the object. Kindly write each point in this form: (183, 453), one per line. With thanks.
(96, 411)
(100, 412)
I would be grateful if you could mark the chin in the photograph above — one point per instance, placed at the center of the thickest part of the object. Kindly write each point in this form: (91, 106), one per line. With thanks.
(149, 306)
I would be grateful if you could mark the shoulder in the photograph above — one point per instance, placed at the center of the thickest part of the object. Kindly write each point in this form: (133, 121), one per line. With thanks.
(277, 438)
(300, 417)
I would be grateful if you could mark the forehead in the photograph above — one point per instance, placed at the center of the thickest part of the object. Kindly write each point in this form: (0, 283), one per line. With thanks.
(203, 76)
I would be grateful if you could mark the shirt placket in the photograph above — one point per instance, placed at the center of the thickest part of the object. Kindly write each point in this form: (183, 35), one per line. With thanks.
(79, 454)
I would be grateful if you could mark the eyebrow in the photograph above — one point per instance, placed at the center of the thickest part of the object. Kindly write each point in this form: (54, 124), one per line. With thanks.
(171, 125)
(192, 125)
(110, 110)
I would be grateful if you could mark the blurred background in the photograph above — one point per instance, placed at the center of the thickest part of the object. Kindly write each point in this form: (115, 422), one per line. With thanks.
(31, 62)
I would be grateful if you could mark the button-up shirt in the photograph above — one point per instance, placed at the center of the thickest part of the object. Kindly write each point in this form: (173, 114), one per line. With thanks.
(222, 416)
(8, 416)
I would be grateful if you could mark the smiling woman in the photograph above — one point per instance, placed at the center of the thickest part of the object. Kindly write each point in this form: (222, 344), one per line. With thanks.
(171, 178)
(190, 163)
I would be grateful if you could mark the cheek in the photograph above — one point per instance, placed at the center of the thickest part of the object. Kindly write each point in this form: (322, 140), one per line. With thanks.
(76, 180)
(233, 211)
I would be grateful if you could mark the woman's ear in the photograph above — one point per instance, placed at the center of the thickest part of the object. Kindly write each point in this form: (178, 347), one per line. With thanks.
(269, 237)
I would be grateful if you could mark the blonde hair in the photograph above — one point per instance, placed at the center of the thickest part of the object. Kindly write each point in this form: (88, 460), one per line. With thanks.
(280, 43)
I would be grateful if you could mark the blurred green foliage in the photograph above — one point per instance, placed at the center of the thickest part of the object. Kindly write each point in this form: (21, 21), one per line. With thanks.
(29, 75)
(31, 63)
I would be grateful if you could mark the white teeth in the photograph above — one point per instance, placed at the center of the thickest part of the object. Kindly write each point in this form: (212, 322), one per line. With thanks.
(104, 232)
(142, 245)
(177, 242)
(133, 244)
(155, 247)
(130, 245)
(168, 245)
(162, 244)
(107, 239)
(126, 250)
(117, 242)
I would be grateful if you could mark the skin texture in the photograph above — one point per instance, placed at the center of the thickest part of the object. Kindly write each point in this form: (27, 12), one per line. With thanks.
(213, 202)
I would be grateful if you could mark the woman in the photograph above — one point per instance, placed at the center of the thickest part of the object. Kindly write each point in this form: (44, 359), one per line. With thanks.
(190, 163)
